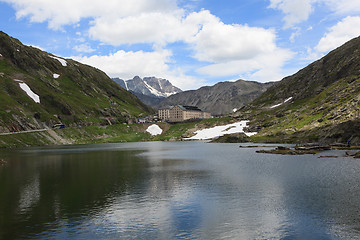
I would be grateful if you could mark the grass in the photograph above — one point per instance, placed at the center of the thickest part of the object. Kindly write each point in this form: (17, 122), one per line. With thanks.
(108, 134)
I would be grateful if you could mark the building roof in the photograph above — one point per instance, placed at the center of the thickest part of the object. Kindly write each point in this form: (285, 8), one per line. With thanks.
(189, 108)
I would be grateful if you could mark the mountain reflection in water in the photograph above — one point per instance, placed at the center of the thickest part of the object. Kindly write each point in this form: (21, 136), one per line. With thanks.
(176, 190)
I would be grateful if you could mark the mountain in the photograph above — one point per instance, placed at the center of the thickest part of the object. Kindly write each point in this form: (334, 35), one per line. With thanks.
(150, 90)
(320, 103)
(222, 98)
(39, 89)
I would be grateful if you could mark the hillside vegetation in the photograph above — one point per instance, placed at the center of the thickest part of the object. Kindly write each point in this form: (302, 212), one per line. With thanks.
(320, 103)
(69, 92)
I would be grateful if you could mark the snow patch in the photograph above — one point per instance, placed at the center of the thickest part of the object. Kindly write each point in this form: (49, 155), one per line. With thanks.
(154, 130)
(55, 75)
(288, 99)
(1, 55)
(28, 91)
(218, 131)
(153, 90)
(62, 61)
(277, 105)
(235, 109)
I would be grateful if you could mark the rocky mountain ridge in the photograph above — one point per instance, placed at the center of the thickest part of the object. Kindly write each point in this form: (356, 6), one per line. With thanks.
(221, 98)
(150, 90)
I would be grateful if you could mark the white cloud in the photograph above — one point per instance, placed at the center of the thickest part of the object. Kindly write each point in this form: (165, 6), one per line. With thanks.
(60, 13)
(219, 42)
(129, 64)
(343, 6)
(295, 11)
(342, 32)
(85, 48)
(126, 65)
(153, 27)
(262, 68)
(230, 48)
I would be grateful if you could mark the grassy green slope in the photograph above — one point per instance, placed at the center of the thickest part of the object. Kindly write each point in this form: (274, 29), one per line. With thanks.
(81, 95)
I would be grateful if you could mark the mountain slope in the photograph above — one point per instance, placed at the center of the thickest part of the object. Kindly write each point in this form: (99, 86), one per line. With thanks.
(150, 90)
(69, 92)
(222, 98)
(320, 103)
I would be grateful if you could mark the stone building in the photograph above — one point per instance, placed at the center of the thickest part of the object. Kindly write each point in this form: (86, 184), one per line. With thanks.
(181, 113)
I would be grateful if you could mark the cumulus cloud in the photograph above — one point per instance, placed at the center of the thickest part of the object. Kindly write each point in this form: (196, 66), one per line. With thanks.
(219, 42)
(337, 35)
(228, 48)
(60, 13)
(149, 27)
(295, 11)
(263, 68)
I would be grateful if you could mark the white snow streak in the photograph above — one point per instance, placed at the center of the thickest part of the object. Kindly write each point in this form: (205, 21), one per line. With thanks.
(154, 130)
(55, 75)
(153, 90)
(62, 61)
(29, 92)
(218, 131)
(286, 100)
(126, 85)
(1, 55)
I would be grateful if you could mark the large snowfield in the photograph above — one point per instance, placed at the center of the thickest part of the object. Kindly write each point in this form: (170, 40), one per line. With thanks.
(218, 131)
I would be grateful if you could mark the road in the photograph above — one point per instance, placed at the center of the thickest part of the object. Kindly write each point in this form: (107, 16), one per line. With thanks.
(30, 131)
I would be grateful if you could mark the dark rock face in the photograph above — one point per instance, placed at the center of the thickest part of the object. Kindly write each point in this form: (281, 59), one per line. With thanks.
(222, 98)
(69, 91)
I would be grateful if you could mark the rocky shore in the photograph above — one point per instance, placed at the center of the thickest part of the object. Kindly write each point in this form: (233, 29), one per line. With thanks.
(314, 149)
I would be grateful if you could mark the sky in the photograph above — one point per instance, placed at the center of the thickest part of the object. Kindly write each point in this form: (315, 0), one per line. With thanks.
(191, 43)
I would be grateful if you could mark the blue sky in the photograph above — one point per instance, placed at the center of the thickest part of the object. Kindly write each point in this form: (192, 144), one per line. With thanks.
(189, 42)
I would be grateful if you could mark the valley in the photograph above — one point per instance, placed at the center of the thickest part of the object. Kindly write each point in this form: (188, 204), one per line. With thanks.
(319, 104)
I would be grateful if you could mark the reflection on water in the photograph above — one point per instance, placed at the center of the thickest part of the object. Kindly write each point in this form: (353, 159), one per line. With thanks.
(182, 190)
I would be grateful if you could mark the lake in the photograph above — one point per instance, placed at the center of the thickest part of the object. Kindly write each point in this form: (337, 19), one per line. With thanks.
(176, 190)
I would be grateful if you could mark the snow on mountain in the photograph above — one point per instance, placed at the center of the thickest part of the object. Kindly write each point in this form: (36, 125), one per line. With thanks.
(28, 91)
(62, 61)
(210, 133)
(277, 105)
(149, 86)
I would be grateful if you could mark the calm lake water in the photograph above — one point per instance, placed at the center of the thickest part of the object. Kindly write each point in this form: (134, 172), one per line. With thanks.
(176, 190)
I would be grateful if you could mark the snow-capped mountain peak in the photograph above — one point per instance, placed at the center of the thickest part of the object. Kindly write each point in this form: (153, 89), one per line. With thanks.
(149, 86)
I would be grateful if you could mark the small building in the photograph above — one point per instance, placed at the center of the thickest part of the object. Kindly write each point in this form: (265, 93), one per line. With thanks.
(180, 113)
